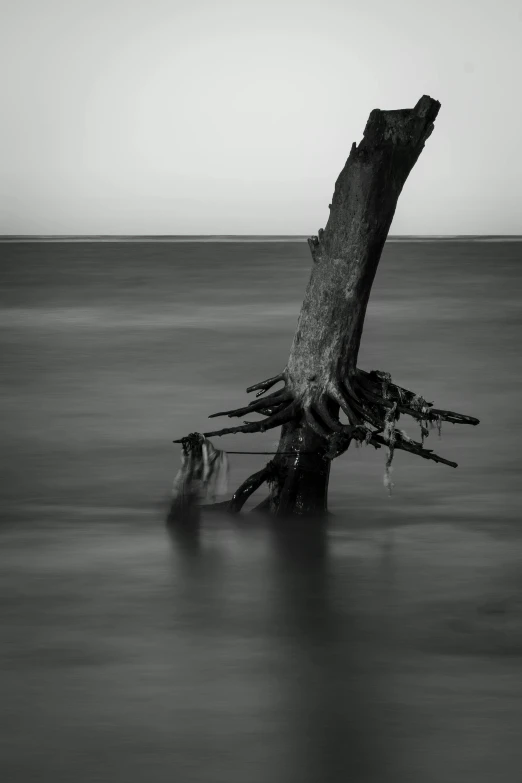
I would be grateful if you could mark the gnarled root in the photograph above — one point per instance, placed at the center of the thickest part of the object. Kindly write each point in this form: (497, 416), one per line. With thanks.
(379, 390)
(279, 407)
(283, 416)
(277, 398)
(247, 488)
(371, 402)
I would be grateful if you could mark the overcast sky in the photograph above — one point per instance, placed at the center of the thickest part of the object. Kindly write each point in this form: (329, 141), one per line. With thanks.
(235, 117)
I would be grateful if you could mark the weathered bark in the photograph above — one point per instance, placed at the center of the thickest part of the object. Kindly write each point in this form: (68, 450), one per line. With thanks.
(321, 376)
(346, 254)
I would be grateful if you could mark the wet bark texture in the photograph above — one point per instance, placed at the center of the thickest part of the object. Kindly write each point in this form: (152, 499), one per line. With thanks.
(300, 483)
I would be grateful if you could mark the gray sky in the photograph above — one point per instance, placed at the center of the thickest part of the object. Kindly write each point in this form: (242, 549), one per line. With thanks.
(232, 116)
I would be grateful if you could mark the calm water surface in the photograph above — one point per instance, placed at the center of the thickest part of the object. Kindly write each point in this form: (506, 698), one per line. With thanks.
(387, 645)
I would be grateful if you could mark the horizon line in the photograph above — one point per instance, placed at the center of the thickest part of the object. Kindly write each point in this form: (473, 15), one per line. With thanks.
(5, 238)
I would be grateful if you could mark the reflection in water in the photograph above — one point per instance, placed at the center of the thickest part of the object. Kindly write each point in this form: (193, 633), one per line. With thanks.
(186, 534)
(345, 654)
(334, 726)
(252, 651)
(323, 699)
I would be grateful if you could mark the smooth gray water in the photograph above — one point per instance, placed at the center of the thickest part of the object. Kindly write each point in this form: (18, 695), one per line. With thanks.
(387, 646)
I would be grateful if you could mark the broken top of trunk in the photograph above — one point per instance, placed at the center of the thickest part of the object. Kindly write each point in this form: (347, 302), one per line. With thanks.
(321, 376)
(368, 187)
(347, 252)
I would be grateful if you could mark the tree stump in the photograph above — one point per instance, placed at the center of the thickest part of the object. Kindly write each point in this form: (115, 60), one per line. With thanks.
(321, 376)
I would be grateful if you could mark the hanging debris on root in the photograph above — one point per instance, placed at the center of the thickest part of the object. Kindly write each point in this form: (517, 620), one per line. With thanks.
(203, 475)
(389, 435)
(389, 431)
(340, 441)
(385, 379)
(422, 406)
(388, 483)
(424, 431)
(418, 403)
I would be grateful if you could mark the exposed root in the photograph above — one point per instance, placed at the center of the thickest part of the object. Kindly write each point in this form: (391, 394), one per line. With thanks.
(283, 416)
(265, 385)
(372, 404)
(369, 413)
(378, 388)
(277, 397)
(376, 379)
(347, 381)
(326, 417)
(339, 441)
(315, 424)
(403, 442)
(248, 487)
(345, 404)
(392, 401)
(436, 414)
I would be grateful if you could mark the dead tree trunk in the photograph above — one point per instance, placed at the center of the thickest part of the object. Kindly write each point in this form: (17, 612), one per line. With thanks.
(321, 376)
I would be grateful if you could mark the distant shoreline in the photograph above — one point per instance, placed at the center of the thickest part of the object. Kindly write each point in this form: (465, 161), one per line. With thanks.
(243, 238)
